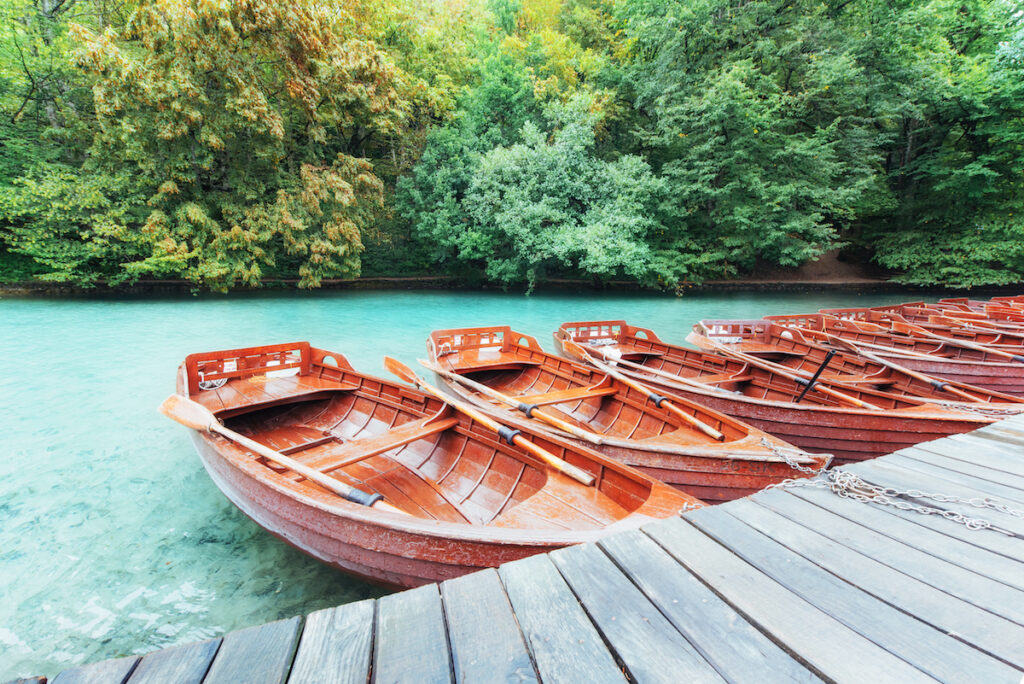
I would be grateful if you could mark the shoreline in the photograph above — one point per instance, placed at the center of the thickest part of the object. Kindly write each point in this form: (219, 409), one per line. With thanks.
(181, 287)
(35, 288)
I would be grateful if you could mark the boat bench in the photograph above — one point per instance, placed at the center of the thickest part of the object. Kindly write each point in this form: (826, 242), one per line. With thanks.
(567, 395)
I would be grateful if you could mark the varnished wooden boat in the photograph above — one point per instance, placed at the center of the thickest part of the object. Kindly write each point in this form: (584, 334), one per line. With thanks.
(469, 500)
(932, 357)
(775, 401)
(633, 428)
(934, 322)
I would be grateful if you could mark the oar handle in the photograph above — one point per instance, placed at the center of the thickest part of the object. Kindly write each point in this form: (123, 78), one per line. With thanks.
(659, 401)
(509, 435)
(528, 410)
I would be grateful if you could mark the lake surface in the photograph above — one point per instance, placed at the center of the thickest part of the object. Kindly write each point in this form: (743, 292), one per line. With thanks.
(112, 538)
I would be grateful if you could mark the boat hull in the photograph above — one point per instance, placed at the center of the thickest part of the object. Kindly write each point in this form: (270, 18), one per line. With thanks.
(374, 550)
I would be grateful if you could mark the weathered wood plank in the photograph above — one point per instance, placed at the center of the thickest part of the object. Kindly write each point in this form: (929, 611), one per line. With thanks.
(1004, 458)
(980, 591)
(924, 462)
(971, 472)
(565, 645)
(736, 649)
(829, 647)
(182, 665)
(411, 641)
(644, 641)
(991, 633)
(335, 646)
(106, 672)
(976, 559)
(485, 640)
(257, 655)
(930, 650)
(893, 475)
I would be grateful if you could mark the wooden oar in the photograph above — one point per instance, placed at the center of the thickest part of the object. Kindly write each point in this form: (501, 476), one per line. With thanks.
(660, 401)
(918, 330)
(690, 382)
(529, 410)
(510, 436)
(196, 416)
(934, 382)
(787, 373)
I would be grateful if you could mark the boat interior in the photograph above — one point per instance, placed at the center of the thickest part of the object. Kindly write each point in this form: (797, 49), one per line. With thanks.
(384, 437)
(515, 365)
(723, 373)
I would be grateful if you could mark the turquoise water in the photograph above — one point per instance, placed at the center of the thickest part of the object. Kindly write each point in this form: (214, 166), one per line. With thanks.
(112, 538)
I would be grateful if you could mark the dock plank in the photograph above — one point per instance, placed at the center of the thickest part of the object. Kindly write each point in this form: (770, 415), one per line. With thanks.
(182, 664)
(257, 655)
(725, 639)
(887, 475)
(968, 556)
(335, 646)
(830, 648)
(647, 644)
(485, 640)
(411, 640)
(930, 650)
(980, 628)
(106, 672)
(978, 590)
(1010, 485)
(566, 646)
(973, 447)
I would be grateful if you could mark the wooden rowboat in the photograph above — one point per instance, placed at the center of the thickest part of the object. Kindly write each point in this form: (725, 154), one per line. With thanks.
(775, 401)
(628, 424)
(934, 322)
(466, 499)
(933, 357)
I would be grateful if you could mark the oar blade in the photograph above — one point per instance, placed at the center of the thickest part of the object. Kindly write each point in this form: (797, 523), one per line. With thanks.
(187, 412)
(399, 369)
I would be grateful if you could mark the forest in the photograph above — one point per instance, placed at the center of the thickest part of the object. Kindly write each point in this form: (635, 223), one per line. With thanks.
(233, 143)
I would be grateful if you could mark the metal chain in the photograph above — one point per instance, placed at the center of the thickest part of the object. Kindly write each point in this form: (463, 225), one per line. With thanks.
(983, 410)
(850, 486)
(787, 454)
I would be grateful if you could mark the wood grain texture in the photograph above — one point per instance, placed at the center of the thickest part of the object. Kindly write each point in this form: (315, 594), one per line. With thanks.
(411, 640)
(907, 531)
(335, 646)
(819, 640)
(106, 672)
(986, 631)
(722, 636)
(486, 643)
(1006, 486)
(930, 650)
(565, 645)
(978, 590)
(257, 655)
(186, 664)
(647, 644)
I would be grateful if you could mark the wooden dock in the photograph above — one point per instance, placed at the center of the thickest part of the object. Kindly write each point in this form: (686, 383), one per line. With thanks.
(786, 585)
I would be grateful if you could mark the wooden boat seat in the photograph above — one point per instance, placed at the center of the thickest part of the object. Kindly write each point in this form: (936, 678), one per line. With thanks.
(857, 379)
(563, 396)
(243, 395)
(357, 449)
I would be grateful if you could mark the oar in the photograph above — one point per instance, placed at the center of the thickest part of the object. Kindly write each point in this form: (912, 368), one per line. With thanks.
(508, 435)
(685, 381)
(918, 330)
(660, 401)
(934, 382)
(530, 410)
(785, 372)
(196, 416)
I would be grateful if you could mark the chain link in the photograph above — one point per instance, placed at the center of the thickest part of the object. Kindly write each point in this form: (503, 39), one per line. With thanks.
(850, 486)
(983, 410)
(787, 454)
